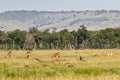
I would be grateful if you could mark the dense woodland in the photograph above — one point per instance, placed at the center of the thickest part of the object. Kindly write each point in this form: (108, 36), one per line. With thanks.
(80, 39)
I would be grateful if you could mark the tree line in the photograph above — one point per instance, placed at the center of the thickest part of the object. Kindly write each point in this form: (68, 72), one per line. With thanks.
(64, 39)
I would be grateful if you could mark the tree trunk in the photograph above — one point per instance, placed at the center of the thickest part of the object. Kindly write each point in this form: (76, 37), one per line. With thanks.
(76, 45)
(13, 44)
(6, 46)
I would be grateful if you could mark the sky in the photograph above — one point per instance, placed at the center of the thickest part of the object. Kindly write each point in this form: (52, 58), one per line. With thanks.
(58, 5)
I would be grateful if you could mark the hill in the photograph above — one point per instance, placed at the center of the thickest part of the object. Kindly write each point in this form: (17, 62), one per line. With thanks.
(71, 20)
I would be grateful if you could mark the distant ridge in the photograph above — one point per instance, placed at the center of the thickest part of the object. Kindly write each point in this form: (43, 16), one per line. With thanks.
(71, 20)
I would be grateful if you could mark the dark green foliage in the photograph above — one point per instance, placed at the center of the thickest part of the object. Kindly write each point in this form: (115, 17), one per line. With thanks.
(82, 38)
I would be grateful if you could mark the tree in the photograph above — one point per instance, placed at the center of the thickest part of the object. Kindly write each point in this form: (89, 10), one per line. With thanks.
(68, 40)
(18, 38)
(81, 36)
(38, 39)
(30, 42)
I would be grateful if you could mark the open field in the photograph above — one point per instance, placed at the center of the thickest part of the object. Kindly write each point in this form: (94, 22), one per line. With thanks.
(97, 65)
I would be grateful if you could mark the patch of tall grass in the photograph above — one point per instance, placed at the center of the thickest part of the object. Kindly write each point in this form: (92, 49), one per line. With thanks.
(93, 68)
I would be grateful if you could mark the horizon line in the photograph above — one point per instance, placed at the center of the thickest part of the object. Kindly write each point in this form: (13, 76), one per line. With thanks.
(62, 10)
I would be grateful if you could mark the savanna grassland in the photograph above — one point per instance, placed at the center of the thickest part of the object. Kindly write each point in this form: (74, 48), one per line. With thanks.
(96, 65)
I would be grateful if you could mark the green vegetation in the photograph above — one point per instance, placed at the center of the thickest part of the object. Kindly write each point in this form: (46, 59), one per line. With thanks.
(69, 66)
(80, 39)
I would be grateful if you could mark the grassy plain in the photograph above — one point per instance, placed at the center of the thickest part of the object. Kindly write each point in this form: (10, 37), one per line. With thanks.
(97, 65)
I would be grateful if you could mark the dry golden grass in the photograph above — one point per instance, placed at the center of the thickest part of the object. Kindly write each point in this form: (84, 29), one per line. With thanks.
(97, 65)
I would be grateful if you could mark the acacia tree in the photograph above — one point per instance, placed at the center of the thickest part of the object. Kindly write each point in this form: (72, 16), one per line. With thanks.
(30, 42)
(46, 41)
(68, 40)
(54, 40)
(81, 36)
(17, 38)
(38, 39)
(117, 37)
(3, 40)
(61, 34)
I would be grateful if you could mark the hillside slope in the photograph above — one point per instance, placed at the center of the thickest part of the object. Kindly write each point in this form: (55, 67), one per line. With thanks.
(71, 20)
